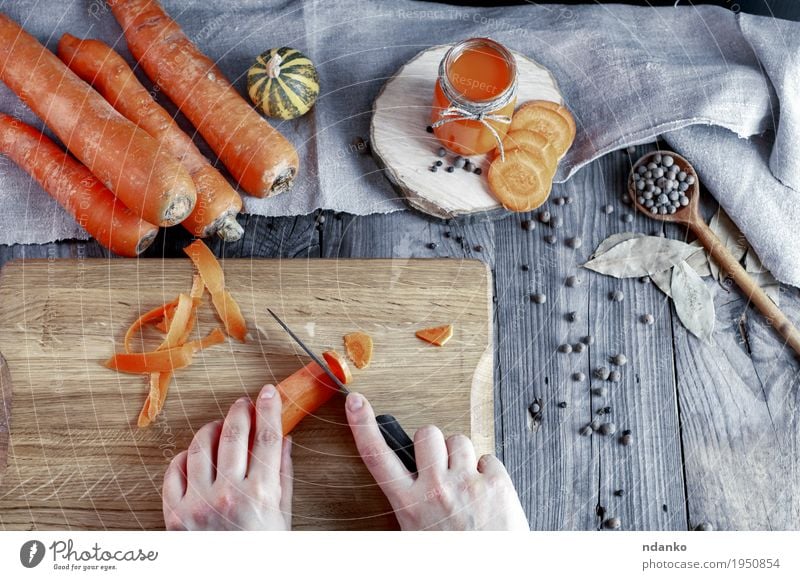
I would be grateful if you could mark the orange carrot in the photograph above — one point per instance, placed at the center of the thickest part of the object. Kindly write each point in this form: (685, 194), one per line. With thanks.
(123, 157)
(99, 65)
(147, 317)
(156, 361)
(256, 154)
(338, 366)
(209, 269)
(73, 186)
(437, 335)
(306, 391)
(358, 346)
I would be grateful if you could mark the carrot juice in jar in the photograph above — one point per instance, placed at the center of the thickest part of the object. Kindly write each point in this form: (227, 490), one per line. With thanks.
(474, 96)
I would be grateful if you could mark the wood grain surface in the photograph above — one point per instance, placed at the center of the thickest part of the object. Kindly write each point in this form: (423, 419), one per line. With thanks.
(405, 151)
(5, 414)
(77, 459)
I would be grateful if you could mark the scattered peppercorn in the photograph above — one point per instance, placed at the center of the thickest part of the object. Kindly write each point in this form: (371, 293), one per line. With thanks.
(602, 373)
(648, 318)
(524, 267)
(574, 243)
(627, 218)
(538, 298)
(617, 296)
(595, 425)
(626, 440)
(565, 348)
(585, 431)
(704, 527)
(432, 246)
(550, 239)
(534, 408)
(528, 225)
(578, 377)
(600, 391)
(644, 279)
(608, 209)
(544, 216)
(446, 234)
(571, 281)
(556, 221)
(442, 152)
(568, 199)
(468, 166)
(478, 248)
(619, 359)
(579, 347)
(572, 316)
(562, 405)
(619, 492)
(608, 429)
(459, 162)
(433, 168)
(450, 169)
(588, 340)
(439, 163)
(613, 523)
(614, 376)
(478, 171)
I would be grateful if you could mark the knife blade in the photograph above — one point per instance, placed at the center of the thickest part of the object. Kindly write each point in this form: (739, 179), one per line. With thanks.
(391, 430)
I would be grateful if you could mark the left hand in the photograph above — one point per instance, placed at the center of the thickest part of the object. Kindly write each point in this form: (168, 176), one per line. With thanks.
(220, 483)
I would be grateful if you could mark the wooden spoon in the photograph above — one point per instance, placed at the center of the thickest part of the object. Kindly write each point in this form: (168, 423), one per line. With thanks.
(690, 216)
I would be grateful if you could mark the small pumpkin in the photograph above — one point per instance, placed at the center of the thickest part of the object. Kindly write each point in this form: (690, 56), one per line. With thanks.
(283, 83)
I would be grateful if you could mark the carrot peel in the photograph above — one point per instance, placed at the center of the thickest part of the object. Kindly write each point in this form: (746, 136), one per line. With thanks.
(438, 335)
(358, 346)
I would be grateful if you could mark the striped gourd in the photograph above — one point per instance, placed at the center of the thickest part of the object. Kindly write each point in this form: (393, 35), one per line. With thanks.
(283, 83)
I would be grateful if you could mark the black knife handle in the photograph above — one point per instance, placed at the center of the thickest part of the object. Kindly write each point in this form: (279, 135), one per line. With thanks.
(398, 440)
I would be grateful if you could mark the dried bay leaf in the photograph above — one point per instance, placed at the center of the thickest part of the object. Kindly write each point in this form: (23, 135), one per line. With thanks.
(613, 240)
(752, 263)
(663, 281)
(699, 261)
(640, 256)
(694, 303)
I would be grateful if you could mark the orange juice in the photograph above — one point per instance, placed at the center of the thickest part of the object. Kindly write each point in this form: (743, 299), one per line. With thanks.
(476, 75)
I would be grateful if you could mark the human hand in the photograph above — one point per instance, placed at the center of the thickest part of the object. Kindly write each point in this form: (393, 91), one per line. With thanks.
(222, 483)
(452, 491)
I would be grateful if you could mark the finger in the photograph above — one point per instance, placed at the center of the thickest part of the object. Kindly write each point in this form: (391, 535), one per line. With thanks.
(387, 469)
(265, 463)
(430, 451)
(461, 453)
(175, 480)
(233, 442)
(202, 455)
(491, 465)
(287, 480)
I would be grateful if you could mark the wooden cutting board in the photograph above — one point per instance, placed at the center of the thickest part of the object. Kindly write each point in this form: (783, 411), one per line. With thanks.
(76, 458)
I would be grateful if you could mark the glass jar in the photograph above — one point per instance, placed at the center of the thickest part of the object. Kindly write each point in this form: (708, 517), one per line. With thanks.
(474, 96)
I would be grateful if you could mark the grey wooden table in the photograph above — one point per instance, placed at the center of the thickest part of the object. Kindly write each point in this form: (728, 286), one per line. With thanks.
(715, 428)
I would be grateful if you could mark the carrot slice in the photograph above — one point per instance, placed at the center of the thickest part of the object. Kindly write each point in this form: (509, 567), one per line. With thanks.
(521, 182)
(152, 316)
(358, 346)
(211, 272)
(152, 362)
(558, 108)
(438, 335)
(535, 143)
(338, 366)
(546, 121)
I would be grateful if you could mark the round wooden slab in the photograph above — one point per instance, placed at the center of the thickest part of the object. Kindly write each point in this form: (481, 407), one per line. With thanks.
(5, 414)
(405, 150)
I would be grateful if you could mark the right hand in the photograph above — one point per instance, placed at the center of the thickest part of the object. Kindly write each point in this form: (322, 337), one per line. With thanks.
(452, 491)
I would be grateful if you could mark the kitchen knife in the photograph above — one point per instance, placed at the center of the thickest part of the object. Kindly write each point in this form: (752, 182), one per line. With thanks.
(393, 433)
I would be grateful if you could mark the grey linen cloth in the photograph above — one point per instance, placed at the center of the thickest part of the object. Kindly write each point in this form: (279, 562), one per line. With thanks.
(724, 90)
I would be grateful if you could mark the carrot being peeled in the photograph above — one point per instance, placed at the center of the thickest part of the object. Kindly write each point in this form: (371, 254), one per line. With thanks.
(261, 160)
(209, 269)
(74, 187)
(128, 161)
(99, 65)
(307, 390)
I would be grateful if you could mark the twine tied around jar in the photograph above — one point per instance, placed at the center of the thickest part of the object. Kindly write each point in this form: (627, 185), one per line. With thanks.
(462, 109)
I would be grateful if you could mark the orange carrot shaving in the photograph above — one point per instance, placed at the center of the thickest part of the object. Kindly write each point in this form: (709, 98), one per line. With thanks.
(179, 322)
(338, 366)
(437, 335)
(152, 362)
(211, 272)
(216, 336)
(358, 346)
(152, 316)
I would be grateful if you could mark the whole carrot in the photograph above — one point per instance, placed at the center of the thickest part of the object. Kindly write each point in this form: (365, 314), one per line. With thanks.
(100, 66)
(256, 154)
(123, 157)
(72, 185)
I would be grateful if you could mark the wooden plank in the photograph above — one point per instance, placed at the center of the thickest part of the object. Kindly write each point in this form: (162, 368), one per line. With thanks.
(74, 431)
(5, 414)
(739, 406)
